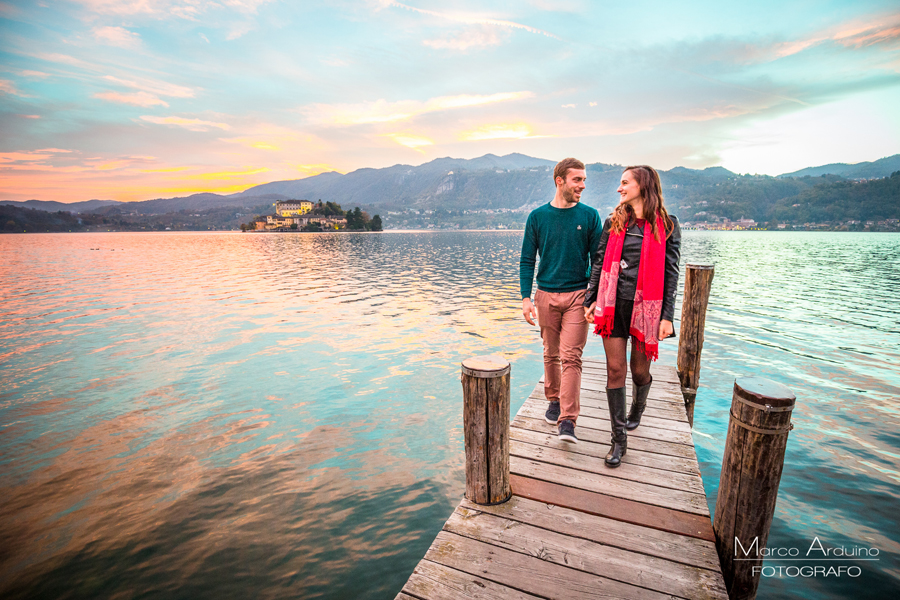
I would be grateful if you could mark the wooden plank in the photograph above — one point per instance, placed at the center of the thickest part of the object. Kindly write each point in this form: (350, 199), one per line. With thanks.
(529, 574)
(659, 372)
(620, 509)
(653, 433)
(646, 421)
(602, 437)
(655, 408)
(596, 465)
(542, 434)
(657, 391)
(611, 486)
(437, 582)
(621, 565)
(628, 536)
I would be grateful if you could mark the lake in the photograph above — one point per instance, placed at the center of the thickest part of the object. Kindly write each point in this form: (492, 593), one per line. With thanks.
(217, 415)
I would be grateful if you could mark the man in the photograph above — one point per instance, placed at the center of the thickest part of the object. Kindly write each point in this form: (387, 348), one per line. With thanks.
(565, 233)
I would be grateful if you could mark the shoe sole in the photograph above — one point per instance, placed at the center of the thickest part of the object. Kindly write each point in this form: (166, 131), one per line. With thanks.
(568, 438)
(551, 422)
(618, 464)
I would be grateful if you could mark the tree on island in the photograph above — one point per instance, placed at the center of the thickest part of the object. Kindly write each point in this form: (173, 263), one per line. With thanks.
(375, 223)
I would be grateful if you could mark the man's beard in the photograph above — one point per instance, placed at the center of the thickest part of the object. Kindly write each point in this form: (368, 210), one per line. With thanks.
(569, 195)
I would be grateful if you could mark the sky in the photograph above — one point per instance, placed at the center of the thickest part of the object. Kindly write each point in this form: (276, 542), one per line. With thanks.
(139, 99)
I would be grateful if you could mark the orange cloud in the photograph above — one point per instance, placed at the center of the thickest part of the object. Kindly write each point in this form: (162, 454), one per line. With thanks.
(497, 132)
(227, 174)
(411, 141)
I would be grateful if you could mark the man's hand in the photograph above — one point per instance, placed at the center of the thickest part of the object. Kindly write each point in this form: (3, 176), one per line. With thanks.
(589, 312)
(666, 329)
(528, 311)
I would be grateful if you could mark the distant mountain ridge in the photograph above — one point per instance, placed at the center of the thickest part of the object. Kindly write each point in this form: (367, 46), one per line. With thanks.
(882, 167)
(51, 206)
(510, 182)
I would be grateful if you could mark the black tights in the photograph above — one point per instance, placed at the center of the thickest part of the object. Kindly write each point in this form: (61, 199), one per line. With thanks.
(616, 349)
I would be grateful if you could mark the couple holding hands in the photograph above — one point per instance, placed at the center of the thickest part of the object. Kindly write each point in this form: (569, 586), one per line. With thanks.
(620, 275)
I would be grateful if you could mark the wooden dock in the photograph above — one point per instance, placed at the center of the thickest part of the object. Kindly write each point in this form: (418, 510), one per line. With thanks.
(575, 529)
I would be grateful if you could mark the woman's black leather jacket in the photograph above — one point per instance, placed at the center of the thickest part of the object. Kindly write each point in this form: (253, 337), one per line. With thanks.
(631, 259)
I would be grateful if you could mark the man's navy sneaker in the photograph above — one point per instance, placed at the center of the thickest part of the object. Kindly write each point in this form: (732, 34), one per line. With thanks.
(567, 431)
(552, 414)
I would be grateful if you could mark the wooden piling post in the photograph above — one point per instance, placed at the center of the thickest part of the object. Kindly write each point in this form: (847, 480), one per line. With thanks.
(485, 382)
(697, 284)
(748, 486)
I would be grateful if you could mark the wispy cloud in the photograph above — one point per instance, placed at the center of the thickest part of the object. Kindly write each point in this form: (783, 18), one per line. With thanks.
(117, 36)
(480, 37)
(382, 111)
(156, 8)
(192, 124)
(470, 18)
(153, 86)
(135, 99)
(499, 131)
(218, 175)
(416, 142)
(8, 87)
(313, 169)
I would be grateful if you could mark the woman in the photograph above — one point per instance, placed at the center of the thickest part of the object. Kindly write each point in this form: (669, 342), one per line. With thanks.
(632, 294)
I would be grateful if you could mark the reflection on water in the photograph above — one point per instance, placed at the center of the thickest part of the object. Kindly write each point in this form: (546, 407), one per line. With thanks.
(208, 415)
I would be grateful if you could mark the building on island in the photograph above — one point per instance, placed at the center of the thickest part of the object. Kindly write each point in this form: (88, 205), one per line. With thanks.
(292, 208)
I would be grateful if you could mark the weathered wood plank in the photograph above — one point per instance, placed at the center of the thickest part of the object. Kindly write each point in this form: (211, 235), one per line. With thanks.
(611, 486)
(659, 391)
(620, 509)
(597, 401)
(662, 373)
(628, 536)
(621, 565)
(596, 465)
(646, 421)
(437, 582)
(653, 433)
(602, 437)
(538, 432)
(528, 573)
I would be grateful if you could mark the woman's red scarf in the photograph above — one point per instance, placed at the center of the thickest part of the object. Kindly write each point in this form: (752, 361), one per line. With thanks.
(648, 295)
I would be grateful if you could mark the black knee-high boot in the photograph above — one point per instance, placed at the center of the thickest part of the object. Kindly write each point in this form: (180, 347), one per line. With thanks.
(616, 399)
(638, 404)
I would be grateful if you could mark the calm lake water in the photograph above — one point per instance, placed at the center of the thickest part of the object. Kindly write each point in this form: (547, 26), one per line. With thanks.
(190, 415)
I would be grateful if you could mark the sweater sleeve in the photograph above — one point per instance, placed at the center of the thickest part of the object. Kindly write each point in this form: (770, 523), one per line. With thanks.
(590, 295)
(528, 258)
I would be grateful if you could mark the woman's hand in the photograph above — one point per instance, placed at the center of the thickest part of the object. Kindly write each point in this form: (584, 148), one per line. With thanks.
(666, 329)
(589, 312)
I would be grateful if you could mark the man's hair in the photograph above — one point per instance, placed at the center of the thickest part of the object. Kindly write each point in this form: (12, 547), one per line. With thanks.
(563, 166)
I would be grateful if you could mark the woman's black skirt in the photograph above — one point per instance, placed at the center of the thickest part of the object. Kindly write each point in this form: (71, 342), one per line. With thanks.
(622, 319)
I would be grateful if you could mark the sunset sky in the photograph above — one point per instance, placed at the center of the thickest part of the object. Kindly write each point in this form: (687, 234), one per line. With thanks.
(140, 99)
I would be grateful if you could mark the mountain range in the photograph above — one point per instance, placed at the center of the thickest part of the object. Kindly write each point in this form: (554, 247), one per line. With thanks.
(514, 181)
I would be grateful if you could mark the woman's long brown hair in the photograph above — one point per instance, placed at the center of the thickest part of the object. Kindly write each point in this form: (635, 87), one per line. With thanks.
(651, 192)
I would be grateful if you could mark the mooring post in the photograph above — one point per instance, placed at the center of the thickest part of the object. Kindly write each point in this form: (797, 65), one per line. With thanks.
(697, 284)
(748, 486)
(485, 382)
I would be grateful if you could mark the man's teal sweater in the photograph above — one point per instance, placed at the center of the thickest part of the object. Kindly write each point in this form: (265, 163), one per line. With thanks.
(566, 239)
